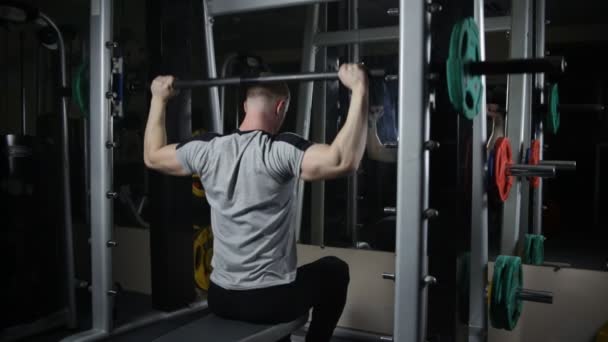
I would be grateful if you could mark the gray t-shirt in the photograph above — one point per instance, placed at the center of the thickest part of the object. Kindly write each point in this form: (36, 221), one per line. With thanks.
(250, 181)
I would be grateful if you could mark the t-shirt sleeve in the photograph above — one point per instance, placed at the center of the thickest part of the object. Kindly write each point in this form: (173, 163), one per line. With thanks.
(193, 154)
(286, 155)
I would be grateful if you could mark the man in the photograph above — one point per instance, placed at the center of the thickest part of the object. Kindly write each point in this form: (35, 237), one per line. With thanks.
(249, 178)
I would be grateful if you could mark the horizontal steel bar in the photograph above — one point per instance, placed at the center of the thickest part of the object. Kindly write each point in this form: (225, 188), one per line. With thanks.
(301, 77)
(390, 210)
(526, 170)
(224, 7)
(497, 24)
(370, 35)
(583, 107)
(560, 164)
(553, 64)
(535, 296)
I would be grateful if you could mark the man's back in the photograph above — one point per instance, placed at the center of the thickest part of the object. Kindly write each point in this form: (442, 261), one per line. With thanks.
(250, 179)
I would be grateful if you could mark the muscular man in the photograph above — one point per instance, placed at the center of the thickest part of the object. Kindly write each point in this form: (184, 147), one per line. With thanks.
(250, 177)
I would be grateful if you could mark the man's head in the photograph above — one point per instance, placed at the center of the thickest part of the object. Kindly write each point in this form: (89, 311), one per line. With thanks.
(269, 103)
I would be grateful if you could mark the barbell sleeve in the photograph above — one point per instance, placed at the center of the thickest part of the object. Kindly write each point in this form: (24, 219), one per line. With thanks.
(553, 65)
(582, 108)
(560, 164)
(535, 296)
(300, 77)
(526, 170)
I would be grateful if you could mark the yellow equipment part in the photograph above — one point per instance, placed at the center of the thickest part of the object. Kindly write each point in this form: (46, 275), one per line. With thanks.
(203, 253)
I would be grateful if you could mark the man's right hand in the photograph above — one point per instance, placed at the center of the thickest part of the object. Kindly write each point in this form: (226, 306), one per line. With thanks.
(353, 76)
(162, 88)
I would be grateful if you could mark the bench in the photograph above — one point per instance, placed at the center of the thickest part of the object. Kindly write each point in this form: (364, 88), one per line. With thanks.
(213, 328)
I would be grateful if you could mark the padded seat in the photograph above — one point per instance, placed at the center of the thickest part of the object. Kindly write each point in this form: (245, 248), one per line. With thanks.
(214, 328)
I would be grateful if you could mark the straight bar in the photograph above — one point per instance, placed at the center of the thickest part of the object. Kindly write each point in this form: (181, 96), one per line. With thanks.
(478, 275)
(539, 80)
(584, 107)
(553, 64)
(100, 126)
(223, 7)
(217, 120)
(526, 170)
(497, 24)
(369, 35)
(535, 296)
(413, 101)
(70, 273)
(560, 164)
(301, 77)
(305, 95)
(352, 187)
(518, 104)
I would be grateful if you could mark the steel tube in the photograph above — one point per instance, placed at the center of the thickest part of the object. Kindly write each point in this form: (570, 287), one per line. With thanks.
(525, 170)
(556, 64)
(67, 193)
(22, 84)
(535, 296)
(583, 107)
(217, 120)
(560, 164)
(301, 77)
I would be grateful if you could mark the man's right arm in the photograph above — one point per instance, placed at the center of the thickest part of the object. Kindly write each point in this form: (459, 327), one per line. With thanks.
(343, 156)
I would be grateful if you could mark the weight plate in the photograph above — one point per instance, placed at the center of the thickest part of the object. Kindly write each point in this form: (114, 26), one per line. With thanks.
(505, 305)
(464, 90)
(503, 157)
(203, 252)
(553, 115)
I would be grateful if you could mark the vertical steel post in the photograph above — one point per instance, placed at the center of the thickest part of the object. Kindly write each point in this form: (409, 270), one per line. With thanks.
(539, 41)
(352, 199)
(410, 293)
(305, 91)
(478, 323)
(317, 189)
(518, 107)
(217, 121)
(101, 164)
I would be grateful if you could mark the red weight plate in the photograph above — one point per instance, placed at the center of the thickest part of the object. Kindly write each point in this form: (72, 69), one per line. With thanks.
(534, 160)
(502, 158)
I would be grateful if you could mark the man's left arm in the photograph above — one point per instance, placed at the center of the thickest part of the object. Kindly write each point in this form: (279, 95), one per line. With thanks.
(157, 154)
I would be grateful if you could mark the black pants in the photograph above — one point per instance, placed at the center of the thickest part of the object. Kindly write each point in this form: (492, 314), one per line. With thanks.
(321, 285)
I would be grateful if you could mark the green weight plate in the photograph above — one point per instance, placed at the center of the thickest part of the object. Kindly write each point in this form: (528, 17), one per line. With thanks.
(465, 91)
(527, 249)
(505, 305)
(553, 115)
(537, 250)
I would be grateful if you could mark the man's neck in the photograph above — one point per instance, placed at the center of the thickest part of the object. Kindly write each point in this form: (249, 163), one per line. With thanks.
(256, 123)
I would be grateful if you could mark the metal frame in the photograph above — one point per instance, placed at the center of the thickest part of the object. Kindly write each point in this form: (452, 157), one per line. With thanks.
(518, 127)
(539, 43)
(497, 24)
(319, 127)
(305, 91)
(217, 120)
(352, 187)
(223, 7)
(361, 36)
(412, 175)
(478, 277)
(101, 178)
(70, 272)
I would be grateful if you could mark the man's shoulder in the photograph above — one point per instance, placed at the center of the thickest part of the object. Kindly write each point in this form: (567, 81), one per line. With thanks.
(293, 139)
(202, 137)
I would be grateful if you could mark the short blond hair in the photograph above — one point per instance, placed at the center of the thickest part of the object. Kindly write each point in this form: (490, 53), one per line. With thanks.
(273, 90)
